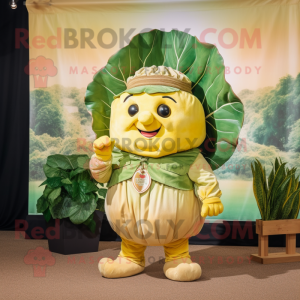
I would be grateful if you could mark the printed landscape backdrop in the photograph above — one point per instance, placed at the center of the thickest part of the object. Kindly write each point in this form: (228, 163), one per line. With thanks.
(259, 40)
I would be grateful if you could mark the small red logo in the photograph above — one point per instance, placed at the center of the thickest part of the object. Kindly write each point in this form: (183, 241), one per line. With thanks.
(40, 68)
(39, 258)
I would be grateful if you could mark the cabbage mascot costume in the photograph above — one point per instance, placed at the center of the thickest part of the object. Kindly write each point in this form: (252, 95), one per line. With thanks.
(165, 118)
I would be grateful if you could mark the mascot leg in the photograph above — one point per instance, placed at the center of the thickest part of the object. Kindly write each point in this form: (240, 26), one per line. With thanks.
(130, 261)
(179, 266)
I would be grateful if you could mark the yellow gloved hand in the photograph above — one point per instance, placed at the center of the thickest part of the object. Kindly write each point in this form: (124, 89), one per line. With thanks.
(212, 207)
(103, 147)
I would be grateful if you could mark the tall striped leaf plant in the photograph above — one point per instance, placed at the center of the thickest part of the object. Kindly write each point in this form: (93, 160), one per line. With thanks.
(278, 196)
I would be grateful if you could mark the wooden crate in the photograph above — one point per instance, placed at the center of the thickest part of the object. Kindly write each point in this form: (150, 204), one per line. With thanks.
(265, 228)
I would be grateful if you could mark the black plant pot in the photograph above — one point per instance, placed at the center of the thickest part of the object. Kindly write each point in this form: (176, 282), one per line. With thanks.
(73, 239)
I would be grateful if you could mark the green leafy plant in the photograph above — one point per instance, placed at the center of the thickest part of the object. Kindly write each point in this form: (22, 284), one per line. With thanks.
(278, 196)
(70, 190)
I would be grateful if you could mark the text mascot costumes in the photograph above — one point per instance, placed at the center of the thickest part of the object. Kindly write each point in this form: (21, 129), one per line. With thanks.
(165, 118)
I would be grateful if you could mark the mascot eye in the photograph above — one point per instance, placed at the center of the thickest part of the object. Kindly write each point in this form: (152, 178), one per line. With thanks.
(133, 109)
(164, 111)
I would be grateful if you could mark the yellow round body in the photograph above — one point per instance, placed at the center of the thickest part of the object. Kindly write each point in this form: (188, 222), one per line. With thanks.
(181, 130)
(156, 217)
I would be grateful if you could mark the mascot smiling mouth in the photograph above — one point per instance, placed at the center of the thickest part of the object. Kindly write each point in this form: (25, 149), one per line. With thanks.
(149, 134)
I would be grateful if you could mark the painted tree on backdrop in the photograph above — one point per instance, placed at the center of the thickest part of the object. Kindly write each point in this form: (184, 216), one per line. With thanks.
(45, 114)
(280, 113)
(53, 129)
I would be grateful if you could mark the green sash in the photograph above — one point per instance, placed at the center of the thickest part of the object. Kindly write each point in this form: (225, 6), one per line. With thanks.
(171, 170)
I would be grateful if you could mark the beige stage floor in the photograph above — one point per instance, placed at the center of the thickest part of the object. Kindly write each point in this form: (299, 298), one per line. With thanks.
(227, 274)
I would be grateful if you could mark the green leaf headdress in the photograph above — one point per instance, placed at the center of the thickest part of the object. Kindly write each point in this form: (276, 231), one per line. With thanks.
(201, 63)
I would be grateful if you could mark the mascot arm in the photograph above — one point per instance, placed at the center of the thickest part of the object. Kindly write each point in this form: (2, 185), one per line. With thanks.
(101, 161)
(101, 170)
(207, 187)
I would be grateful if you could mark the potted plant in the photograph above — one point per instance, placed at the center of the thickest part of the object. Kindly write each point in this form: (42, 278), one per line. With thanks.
(70, 202)
(278, 200)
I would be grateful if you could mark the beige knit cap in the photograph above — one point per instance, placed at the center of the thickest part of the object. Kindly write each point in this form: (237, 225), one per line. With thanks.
(160, 75)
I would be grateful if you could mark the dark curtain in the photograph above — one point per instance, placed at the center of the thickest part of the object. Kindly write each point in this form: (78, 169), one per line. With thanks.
(14, 117)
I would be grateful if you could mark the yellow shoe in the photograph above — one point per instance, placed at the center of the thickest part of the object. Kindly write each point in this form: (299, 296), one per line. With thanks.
(121, 267)
(182, 270)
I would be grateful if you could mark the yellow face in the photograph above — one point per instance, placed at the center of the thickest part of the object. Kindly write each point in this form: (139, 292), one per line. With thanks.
(156, 125)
